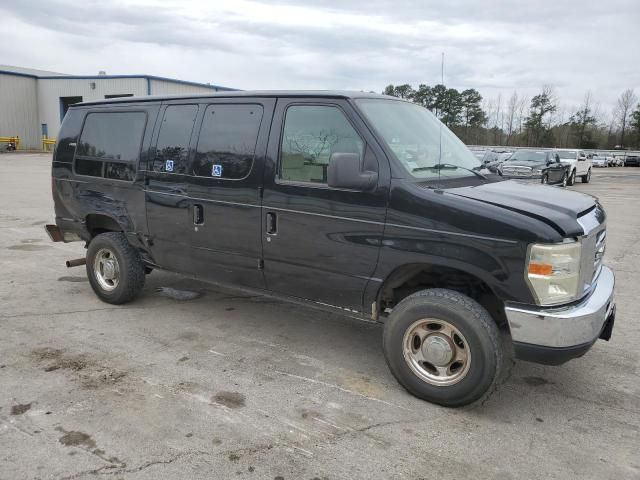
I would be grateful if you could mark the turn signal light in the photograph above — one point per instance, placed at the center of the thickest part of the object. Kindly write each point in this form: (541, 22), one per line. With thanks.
(540, 269)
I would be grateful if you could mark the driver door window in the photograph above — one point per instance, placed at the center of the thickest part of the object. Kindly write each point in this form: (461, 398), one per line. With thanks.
(311, 134)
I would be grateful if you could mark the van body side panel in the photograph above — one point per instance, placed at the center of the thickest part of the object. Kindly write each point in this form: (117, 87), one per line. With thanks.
(79, 197)
(430, 228)
(225, 242)
(327, 240)
(63, 184)
(167, 205)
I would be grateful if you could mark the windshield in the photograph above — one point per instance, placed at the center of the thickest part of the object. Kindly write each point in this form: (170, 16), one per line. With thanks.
(568, 154)
(424, 145)
(528, 156)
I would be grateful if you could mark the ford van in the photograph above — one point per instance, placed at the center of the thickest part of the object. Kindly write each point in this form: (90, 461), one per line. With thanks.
(357, 203)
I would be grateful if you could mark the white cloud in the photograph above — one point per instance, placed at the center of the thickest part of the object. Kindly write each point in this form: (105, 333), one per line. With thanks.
(493, 46)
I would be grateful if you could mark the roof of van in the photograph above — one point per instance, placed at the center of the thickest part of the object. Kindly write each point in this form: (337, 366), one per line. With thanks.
(241, 93)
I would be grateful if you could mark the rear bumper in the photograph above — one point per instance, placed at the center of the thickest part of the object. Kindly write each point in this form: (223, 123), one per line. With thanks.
(556, 335)
(67, 231)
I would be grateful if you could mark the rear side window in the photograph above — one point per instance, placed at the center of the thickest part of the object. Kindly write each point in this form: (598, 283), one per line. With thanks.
(68, 135)
(172, 149)
(109, 145)
(227, 141)
(311, 134)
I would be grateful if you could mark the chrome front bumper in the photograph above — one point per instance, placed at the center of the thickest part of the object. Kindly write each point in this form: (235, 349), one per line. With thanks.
(537, 178)
(571, 329)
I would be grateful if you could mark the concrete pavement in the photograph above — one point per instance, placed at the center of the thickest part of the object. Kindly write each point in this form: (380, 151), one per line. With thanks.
(226, 385)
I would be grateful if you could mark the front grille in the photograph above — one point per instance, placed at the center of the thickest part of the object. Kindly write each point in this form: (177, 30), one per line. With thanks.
(593, 247)
(516, 171)
(601, 243)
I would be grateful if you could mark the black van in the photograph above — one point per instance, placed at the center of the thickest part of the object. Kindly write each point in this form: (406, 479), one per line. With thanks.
(354, 202)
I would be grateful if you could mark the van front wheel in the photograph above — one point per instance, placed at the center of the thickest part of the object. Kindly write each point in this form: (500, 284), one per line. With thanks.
(443, 347)
(114, 268)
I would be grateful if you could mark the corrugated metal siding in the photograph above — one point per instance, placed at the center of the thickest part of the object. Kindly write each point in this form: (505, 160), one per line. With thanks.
(50, 91)
(19, 110)
(164, 87)
(26, 103)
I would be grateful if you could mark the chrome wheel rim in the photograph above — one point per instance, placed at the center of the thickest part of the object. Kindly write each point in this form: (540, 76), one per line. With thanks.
(106, 269)
(436, 352)
(564, 181)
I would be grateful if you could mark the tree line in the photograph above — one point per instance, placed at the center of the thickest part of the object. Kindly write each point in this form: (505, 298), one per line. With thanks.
(535, 122)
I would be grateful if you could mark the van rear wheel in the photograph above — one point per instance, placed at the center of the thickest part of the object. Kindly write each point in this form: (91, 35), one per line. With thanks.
(587, 178)
(114, 268)
(443, 347)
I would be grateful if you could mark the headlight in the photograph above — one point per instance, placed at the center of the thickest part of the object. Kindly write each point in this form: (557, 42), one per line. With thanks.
(553, 272)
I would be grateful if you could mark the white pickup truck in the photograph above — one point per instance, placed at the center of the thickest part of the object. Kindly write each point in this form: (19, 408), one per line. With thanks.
(580, 165)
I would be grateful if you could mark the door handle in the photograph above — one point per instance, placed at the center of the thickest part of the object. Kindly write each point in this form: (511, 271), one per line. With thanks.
(198, 214)
(272, 223)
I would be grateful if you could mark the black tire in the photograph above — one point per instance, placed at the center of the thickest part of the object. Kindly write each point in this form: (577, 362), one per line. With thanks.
(130, 267)
(586, 178)
(545, 179)
(572, 179)
(476, 326)
(564, 181)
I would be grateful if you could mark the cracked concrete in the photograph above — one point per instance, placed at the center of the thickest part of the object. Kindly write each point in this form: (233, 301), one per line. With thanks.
(226, 385)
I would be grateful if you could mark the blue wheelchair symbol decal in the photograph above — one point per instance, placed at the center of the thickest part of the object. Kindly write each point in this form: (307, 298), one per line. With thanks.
(168, 166)
(216, 171)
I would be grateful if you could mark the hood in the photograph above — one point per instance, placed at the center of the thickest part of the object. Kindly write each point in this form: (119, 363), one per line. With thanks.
(521, 163)
(557, 207)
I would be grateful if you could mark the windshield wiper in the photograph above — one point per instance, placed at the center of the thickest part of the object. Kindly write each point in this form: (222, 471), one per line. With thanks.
(441, 166)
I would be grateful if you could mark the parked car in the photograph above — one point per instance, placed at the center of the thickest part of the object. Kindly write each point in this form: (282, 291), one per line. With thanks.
(618, 160)
(355, 203)
(598, 160)
(492, 161)
(632, 161)
(580, 165)
(479, 153)
(542, 166)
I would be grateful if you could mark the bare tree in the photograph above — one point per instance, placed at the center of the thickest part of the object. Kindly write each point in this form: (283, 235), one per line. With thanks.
(583, 119)
(522, 108)
(625, 104)
(512, 107)
(498, 121)
(562, 127)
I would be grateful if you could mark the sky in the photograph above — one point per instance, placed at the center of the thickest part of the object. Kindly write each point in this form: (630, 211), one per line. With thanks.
(493, 46)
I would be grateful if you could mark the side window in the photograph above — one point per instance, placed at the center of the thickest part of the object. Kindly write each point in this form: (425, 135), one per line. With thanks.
(109, 145)
(172, 148)
(227, 141)
(311, 134)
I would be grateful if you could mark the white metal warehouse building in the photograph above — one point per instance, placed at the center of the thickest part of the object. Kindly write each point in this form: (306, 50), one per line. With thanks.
(33, 102)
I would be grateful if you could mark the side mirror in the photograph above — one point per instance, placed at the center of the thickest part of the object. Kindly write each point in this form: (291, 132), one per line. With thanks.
(582, 158)
(557, 158)
(344, 172)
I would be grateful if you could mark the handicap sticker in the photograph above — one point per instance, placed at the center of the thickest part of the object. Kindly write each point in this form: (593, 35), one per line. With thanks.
(216, 171)
(168, 166)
